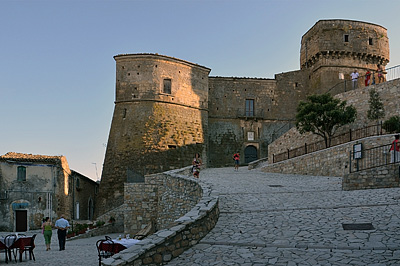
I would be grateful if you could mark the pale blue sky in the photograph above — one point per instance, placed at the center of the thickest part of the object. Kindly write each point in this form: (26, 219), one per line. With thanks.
(57, 72)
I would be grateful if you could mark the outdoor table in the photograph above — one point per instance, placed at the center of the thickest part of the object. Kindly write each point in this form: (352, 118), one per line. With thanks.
(119, 245)
(20, 243)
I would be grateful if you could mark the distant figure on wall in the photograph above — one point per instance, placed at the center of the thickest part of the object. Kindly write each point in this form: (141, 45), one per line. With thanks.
(367, 78)
(354, 79)
(395, 150)
(196, 165)
(380, 72)
(236, 157)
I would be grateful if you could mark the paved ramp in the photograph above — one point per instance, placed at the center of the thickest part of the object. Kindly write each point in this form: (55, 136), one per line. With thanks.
(275, 219)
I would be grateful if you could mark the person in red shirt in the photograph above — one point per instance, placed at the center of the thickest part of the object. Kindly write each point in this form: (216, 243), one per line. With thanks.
(395, 150)
(367, 78)
(236, 157)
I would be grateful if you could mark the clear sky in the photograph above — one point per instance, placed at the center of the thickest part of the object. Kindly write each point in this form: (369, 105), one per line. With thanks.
(57, 72)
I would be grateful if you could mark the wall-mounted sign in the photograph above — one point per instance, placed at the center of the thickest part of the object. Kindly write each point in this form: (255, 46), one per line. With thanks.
(250, 135)
(357, 151)
(18, 206)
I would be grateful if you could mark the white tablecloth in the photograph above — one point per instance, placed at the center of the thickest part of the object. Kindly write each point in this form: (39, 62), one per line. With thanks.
(126, 242)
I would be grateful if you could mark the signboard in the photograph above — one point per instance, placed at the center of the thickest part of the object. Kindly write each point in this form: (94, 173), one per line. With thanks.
(250, 135)
(357, 151)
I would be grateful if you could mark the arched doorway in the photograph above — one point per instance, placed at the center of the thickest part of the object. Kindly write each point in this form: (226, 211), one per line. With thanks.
(250, 154)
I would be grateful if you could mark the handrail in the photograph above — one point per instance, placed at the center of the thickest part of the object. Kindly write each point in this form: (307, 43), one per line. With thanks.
(372, 158)
(352, 134)
(391, 73)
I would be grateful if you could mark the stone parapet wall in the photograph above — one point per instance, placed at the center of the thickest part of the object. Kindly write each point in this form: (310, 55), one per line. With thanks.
(389, 93)
(333, 161)
(174, 239)
(381, 177)
(161, 200)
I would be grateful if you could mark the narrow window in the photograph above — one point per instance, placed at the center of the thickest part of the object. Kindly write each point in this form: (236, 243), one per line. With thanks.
(21, 173)
(346, 38)
(167, 86)
(370, 42)
(77, 183)
(249, 107)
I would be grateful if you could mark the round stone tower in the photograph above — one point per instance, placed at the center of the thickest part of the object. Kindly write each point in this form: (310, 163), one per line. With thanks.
(332, 49)
(160, 121)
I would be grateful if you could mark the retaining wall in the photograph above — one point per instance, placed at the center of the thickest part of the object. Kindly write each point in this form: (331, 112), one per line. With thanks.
(182, 233)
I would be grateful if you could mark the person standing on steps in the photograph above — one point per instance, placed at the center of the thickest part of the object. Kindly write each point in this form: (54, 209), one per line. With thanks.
(62, 225)
(236, 157)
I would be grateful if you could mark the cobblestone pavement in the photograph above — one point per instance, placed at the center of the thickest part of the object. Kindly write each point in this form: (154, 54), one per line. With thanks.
(276, 219)
(77, 252)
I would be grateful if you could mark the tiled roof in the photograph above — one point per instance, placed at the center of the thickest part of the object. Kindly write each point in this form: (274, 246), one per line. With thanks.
(14, 156)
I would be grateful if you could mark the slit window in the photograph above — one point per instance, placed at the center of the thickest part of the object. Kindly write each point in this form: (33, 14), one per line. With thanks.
(21, 173)
(370, 41)
(249, 107)
(167, 86)
(346, 38)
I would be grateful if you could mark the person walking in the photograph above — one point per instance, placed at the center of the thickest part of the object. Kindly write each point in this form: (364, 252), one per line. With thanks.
(395, 150)
(47, 232)
(354, 79)
(62, 225)
(197, 162)
(236, 157)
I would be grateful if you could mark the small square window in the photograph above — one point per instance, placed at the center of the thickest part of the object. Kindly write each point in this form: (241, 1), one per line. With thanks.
(167, 86)
(346, 38)
(21, 173)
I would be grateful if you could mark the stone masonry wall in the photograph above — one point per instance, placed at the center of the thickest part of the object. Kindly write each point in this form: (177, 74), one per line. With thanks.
(333, 161)
(153, 130)
(389, 93)
(381, 177)
(168, 243)
(160, 201)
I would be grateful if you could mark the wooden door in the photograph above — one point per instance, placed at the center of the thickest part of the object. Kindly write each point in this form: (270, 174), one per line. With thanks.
(21, 221)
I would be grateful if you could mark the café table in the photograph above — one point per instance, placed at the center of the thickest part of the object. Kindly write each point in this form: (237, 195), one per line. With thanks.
(16, 242)
(117, 245)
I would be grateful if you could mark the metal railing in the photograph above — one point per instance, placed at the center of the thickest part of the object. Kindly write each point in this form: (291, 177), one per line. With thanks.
(390, 73)
(373, 157)
(352, 134)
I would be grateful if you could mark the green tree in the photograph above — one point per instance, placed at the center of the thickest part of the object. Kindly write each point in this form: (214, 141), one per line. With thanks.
(392, 125)
(376, 109)
(323, 115)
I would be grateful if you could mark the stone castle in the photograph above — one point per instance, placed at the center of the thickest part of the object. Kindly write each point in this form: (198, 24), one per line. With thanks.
(167, 109)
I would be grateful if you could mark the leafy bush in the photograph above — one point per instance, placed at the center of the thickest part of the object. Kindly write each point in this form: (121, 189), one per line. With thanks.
(392, 125)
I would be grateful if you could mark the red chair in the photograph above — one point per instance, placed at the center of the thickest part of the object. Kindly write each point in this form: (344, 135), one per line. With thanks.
(29, 248)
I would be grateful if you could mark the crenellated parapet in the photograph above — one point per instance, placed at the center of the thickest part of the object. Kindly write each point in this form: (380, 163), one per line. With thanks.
(344, 42)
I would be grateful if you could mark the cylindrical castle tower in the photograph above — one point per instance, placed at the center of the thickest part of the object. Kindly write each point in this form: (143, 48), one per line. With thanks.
(160, 121)
(332, 49)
